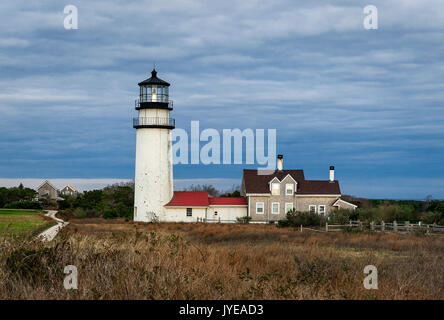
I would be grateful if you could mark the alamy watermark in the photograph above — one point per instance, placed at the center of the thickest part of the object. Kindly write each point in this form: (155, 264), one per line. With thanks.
(71, 21)
(371, 18)
(70, 281)
(371, 281)
(228, 148)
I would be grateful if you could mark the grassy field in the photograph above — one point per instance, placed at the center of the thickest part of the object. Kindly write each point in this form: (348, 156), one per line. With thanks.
(22, 222)
(126, 260)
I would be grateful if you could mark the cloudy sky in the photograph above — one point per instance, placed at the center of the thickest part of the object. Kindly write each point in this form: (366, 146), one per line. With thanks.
(370, 102)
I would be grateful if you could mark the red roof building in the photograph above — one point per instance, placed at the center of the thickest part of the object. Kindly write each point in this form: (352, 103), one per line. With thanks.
(229, 201)
(201, 199)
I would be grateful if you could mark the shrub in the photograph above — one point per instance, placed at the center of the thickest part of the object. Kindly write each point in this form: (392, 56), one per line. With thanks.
(79, 213)
(64, 204)
(297, 218)
(395, 212)
(24, 205)
(339, 217)
(245, 219)
(31, 264)
(110, 213)
(283, 223)
(432, 217)
(368, 215)
(315, 272)
(349, 229)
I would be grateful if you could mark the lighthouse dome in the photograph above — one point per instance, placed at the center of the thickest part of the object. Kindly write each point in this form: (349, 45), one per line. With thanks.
(154, 80)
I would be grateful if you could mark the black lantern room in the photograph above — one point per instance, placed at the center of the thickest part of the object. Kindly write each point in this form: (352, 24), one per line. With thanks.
(154, 94)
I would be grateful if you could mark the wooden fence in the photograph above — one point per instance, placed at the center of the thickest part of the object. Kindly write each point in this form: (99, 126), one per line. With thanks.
(219, 220)
(396, 227)
(406, 227)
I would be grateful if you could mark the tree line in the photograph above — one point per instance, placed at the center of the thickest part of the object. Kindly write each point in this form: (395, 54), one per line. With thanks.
(19, 198)
(118, 201)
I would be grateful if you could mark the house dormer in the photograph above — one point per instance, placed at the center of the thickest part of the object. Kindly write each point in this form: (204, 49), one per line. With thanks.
(275, 186)
(291, 185)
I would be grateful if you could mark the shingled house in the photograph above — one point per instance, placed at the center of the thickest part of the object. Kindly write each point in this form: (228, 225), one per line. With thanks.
(47, 190)
(272, 194)
(69, 190)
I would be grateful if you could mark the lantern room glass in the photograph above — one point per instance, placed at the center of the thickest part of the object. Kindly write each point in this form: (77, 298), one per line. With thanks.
(153, 93)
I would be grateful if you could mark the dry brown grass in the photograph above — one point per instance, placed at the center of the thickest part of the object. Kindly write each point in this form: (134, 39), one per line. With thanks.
(125, 260)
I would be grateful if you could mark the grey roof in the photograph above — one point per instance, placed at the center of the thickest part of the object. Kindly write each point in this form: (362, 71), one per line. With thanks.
(48, 183)
(154, 80)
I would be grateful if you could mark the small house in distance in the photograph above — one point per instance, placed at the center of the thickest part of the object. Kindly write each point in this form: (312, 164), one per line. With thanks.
(47, 190)
(69, 190)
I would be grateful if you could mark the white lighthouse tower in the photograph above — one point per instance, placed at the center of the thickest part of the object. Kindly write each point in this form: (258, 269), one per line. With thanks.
(154, 168)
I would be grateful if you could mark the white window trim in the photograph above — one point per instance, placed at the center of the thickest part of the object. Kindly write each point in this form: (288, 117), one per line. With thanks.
(279, 189)
(292, 206)
(262, 208)
(319, 208)
(273, 203)
(292, 189)
(310, 206)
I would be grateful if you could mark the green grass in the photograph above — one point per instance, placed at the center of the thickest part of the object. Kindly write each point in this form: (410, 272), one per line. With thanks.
(22, 222)
(18, 211)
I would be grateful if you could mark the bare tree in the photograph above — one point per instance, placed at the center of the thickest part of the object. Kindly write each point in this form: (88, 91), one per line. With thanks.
(212, 191)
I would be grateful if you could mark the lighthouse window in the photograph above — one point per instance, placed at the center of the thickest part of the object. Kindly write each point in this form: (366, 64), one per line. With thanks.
(189, 212)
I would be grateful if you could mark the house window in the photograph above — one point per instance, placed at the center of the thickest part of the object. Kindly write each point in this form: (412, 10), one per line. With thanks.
(259, 207)
(312, 208)
(288, 206)
(189, 212)
(275, 188)
(275, 208)
(289, 189)
(321, 210)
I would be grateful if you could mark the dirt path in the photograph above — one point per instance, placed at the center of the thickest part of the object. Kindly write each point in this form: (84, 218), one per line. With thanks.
(50, 233)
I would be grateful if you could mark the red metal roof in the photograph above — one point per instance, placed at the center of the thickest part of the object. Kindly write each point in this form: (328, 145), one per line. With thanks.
(202, 199)
(189, 199)
(226, 201)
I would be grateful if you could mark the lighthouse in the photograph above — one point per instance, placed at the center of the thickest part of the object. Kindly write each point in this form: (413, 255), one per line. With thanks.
(154, 168)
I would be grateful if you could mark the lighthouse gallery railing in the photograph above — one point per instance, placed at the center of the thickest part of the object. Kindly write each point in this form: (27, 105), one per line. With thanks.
(154, 122)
